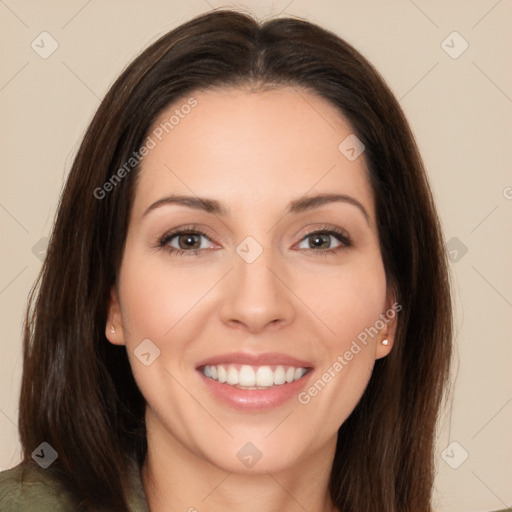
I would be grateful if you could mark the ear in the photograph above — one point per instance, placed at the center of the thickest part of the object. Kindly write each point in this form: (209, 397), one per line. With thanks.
(390, 319)
(114, 328)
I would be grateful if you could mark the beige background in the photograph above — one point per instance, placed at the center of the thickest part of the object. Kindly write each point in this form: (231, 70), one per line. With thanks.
(459, 108)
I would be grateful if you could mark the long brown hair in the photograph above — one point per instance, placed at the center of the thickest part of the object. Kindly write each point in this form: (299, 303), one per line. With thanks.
(78, 393)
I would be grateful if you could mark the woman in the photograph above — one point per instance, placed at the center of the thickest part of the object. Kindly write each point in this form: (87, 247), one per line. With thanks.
(245, 300)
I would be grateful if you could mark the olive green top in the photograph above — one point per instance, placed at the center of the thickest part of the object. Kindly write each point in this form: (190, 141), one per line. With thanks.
(27, 487)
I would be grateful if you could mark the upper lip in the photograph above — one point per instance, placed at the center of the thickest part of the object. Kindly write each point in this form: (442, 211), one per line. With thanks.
(267, 358)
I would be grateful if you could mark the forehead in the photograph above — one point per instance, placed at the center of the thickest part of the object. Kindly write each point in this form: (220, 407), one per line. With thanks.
(242, 147)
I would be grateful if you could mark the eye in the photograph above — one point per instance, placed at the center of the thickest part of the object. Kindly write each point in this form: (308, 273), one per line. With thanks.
(325, 240)
(189, 242)
(185, 241)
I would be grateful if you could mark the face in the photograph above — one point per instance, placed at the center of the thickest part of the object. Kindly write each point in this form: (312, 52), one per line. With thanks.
(252, 257)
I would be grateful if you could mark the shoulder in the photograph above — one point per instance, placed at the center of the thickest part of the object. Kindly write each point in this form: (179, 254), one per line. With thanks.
(27, 487)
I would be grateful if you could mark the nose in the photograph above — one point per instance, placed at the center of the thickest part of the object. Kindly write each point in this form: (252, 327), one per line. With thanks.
(256, 295)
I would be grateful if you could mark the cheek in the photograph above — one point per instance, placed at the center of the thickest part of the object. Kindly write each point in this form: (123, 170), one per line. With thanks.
(157, 296)
(350, 304)
(348, 301)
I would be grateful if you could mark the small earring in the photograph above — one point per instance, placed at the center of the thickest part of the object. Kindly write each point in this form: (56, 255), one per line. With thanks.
(385, 342)
(112, 330)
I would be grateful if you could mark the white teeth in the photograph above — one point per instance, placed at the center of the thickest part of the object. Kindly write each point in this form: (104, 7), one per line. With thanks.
(253, 377)
(232, 376)
(246, 376)
(265, 376)
(279, 376)
(222, 375)
(299, 372)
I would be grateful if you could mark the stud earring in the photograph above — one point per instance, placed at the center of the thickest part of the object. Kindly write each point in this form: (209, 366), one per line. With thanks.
(385, 342)
(112, 330)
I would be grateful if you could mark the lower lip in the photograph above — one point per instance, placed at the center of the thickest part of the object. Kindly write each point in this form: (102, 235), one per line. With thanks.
(255, 399)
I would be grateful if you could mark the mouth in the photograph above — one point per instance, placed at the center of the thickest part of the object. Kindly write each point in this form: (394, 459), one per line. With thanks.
(253, 377)
(248, 381)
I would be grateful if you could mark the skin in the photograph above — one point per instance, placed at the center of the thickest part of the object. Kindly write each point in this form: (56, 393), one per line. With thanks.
(292, 299)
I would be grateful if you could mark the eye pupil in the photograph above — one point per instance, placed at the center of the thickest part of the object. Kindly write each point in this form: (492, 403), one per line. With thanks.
(319, 239)
(189, 241)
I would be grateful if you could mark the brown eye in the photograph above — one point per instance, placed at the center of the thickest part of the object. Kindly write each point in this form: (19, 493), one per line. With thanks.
(319, 240)
(324, 241)
(186, 242)
(189, 241)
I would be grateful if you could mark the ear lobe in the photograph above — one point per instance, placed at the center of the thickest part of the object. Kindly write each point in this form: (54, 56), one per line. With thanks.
(386, 336)
(114, 327)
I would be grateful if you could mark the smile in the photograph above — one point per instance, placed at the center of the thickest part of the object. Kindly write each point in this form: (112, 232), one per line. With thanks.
(253, 377)
(254, 382)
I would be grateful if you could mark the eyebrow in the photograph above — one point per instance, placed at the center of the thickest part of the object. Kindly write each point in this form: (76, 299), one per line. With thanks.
(296, 206)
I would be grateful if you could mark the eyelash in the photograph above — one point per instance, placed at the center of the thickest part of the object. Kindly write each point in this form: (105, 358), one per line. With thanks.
(340, 235)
